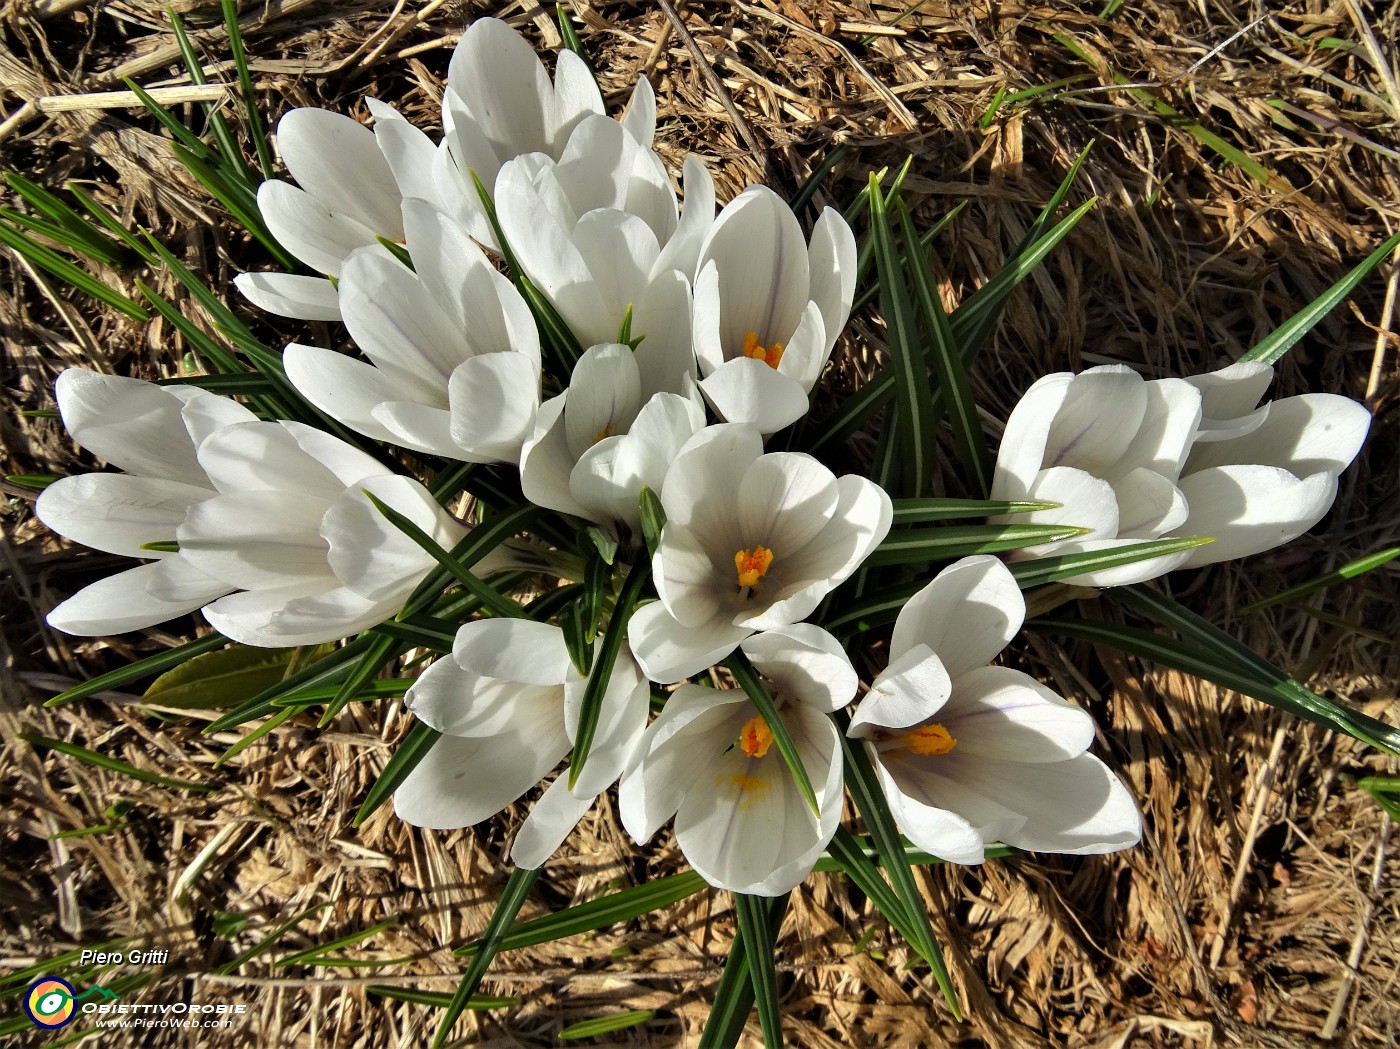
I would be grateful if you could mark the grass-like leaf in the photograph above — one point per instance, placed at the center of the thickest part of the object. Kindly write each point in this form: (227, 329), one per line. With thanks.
(912, 397)
(1191, 659)
(819, 174)
(517, 888)
(947, 361)
(329, 670)
(363, 670)
(233, 164)
(316, 955)
(227, 677)
(733, 998)
(653, 518)
(606, 1024)
(438, 1000)
(69, 227)
(91, 757)
(270, 940)
(870, 801)
(921, 545)
(1281, 339)
(752, 915)
(744, 673)
(405, 759)
(1350, 570)
(926, 511)
(1065, 566)
(142, 668)
(601, 672)
(52, 262)
(257, 130)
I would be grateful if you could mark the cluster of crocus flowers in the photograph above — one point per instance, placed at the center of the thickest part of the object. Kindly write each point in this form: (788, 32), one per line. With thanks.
(690, 338)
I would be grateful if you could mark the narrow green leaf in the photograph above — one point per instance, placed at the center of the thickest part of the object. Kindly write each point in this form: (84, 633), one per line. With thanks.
(36, 481)
(612, 909)
(597, 582)
(571, 622)
(240, 204)
(479, 542)
(257, 130)
(405, 759)
(879, 820)
(601, 672)
(155, 664)
(925, 511)
(1277, 691)
(437, 1000)
(91, 757)
(381, 688)
(102, 215)
(312, 955)
(863, 871)
(329, 670)
(365, 668)
(604, 542)
(606, 1024)
(744, 673)
(231, 157)
(242, 383)
(733, 998)
(181, 134)
(571, 41)
(270, 940)
(1281, 339)
(819, 174)
(1065, 566)
(253, 735)
(227, 677)
(912, 396)
(1350, 570)
(498, 603)
(922, 545)
(517, 888)
(66, 271)
(752, 914)
(947, 362)
(653, 518)
(989, 114)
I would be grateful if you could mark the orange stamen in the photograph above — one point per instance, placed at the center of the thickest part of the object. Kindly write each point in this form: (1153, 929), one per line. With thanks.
(755, 737)
(752, 565)
(930, 739)
(755, 350)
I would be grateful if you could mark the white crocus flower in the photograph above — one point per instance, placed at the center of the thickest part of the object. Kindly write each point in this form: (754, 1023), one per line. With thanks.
(709, 761)
(454, 352)
(150, 432)
(1136, 460)
(752, 542)
(293, 530)
(500, 104)
(351, 182)
(508, 701)
(606, 437)
(600, 235)
(1258, 479)
(970, 754)
(768, 307)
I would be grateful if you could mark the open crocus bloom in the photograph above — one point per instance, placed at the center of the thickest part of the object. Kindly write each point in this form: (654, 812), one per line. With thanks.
(768, 307)
(1136, 460)
(606, 437)
(151, 432)
(970, 754)
(455, 353)
(709, 761)
(500, 104)
(508, 701)
(752, 542)
(600, 235)
(293, 530)
(1258, 479)
(351, 182)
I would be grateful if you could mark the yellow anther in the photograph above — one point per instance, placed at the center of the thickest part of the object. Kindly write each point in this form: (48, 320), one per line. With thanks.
(769, 355)
(752, 565)
(755, 737)
(930, 739)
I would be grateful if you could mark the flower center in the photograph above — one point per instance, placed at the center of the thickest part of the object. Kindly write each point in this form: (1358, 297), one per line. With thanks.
(769, 355)
(930, 739)
(752, 565)
(755, 737)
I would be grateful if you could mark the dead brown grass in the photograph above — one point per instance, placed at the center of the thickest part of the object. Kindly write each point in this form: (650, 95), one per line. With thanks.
(1264, 905)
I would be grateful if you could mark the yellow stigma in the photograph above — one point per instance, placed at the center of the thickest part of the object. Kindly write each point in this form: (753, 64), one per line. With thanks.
(930, 739)
(769, 355)
(755, 737)
(752, 565)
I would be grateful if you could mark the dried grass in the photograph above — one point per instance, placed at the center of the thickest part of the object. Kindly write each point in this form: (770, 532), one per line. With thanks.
(1266, 895)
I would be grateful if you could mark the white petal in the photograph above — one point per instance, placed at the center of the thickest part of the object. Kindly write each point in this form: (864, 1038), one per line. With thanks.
(622, 719)
(136, 426)
(668, 651)
(640, 118)
(749, 392)
(412, 424)
(549, 823)
(913, 688)
(1233, 391)
(604, 396)
(939, 814)
(619, 250)
(999, 714)
(463, 781)
(860, 521)
(705, 475)
(785, 500)
(1087, 432)
(1148, 505)
(809, 348)
(291, 295)
(1250, 509)
(257, 540)
(494, 398)
(293, 616)
(514, 650)
(311, 230)
(499, 76)
(665, 359)
(408, 152)
(336, 160)
(115, 513)
(806, 664)
(687, 580)
(546, 463)
(345, 389)
(1170, 422)
(967, 614)
(460, 702)
(682, 251)
(832, 254)
(1022, 451)
(131, 600)
(1304, 435)
(368, 553)
(576, 96)
(1086, 501)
